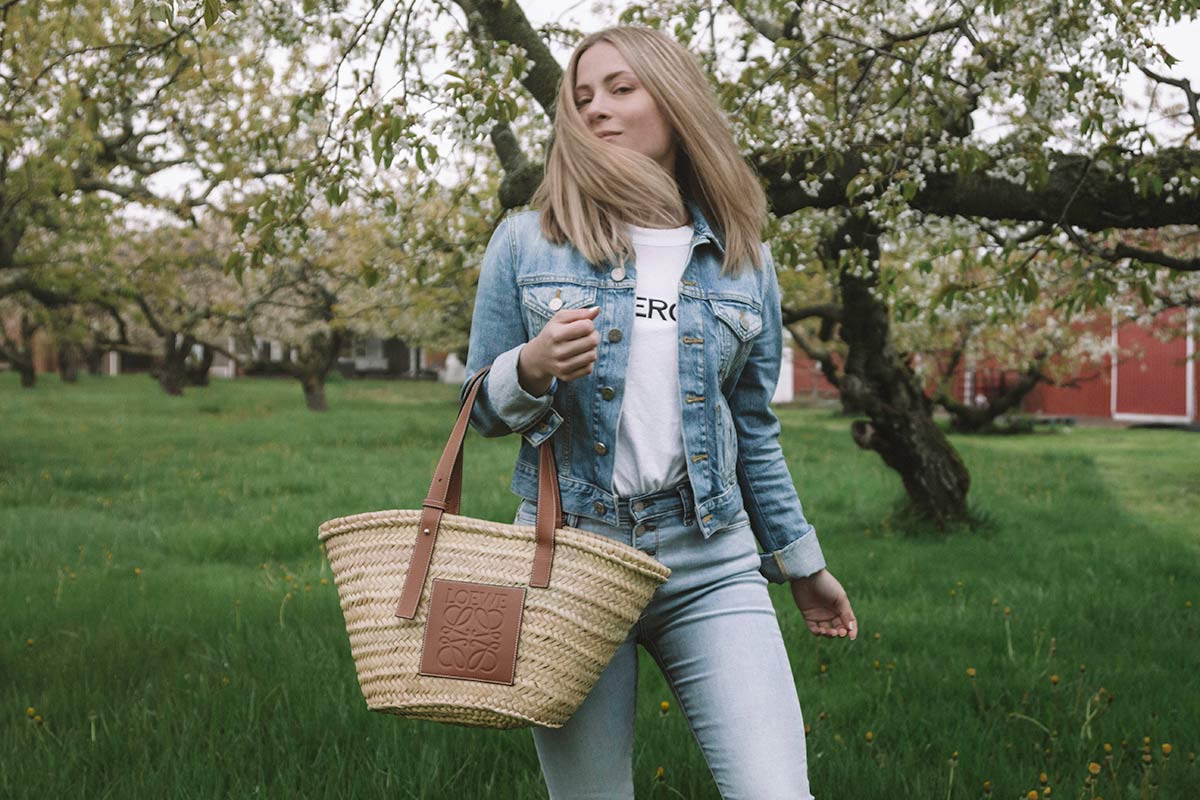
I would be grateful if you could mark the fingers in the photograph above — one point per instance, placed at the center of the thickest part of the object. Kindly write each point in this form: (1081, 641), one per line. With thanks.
(573, 342)
(570, 349)
(846, 614)
(572, 374)
(835, 628)
(569, 314)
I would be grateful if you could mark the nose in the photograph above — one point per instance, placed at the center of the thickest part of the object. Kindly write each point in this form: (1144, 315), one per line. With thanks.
(596, 111)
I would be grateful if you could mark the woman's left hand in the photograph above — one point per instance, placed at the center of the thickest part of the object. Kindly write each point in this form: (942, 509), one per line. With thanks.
(823, 603)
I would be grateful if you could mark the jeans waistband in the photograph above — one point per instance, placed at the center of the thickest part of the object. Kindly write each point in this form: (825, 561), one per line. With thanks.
(677, 499)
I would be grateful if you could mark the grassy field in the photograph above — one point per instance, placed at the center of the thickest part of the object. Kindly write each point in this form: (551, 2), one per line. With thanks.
(169, 629)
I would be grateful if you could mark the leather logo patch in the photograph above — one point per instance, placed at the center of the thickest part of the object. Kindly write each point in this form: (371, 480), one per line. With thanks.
(472, 631)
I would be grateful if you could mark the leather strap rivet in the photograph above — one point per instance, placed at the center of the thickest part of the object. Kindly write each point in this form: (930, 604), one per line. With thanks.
(427, 531)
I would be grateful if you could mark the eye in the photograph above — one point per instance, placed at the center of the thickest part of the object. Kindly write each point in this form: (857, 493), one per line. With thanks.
(581, 103)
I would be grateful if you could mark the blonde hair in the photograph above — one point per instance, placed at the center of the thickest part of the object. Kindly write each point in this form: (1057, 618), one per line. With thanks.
(590, 188)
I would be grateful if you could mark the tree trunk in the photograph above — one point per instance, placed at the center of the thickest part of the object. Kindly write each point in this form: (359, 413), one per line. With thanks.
(68, 362)
(171, 371)
(314, 392)
(317, 358)
(901, 427)
(197, 375)
(28, 374)
(19, 352)
(93, 358)
(966, 418)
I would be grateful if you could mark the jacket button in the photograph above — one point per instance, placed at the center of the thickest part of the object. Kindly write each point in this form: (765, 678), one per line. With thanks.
(639, 506)
(555, 303)
(618, 274)
(598, 507)
(614, 335)
(607, 393)
(600, 448)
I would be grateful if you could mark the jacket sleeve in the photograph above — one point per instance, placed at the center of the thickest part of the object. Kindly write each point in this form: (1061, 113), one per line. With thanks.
(789, 542)
(497, 335)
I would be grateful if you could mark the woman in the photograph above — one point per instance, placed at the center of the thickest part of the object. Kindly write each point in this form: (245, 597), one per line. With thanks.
(634, 320)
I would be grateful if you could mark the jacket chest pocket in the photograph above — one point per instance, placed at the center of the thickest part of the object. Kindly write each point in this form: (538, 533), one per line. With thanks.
(541, 301)
(737, 322)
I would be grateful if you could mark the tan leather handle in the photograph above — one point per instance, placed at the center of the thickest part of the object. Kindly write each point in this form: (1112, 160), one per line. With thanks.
(445, 495)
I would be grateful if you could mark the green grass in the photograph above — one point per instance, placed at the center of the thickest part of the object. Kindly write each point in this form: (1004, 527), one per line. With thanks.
(196, 677)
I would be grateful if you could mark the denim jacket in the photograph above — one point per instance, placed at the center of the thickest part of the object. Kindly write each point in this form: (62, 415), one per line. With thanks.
(730, 347)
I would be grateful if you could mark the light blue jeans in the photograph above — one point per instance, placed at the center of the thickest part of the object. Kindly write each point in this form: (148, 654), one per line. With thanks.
(712, 630)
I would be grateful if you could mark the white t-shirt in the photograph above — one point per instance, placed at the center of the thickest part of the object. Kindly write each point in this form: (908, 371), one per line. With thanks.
(650, 454)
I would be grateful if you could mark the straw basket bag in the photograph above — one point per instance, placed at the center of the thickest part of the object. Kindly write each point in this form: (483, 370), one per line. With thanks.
(479, 623)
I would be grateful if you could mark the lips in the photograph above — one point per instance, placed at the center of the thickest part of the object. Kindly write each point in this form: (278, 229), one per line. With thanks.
(609, 134)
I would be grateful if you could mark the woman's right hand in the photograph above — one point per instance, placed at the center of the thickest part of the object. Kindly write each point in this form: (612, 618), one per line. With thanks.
(565, 349)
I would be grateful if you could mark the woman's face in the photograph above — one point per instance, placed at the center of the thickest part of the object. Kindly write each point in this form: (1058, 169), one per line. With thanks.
(610, 98)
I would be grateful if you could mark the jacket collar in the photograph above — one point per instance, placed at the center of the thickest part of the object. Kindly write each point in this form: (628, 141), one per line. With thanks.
(700, 226)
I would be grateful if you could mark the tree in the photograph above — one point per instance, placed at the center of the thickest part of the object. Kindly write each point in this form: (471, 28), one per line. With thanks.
(861, 121)
(102, 104)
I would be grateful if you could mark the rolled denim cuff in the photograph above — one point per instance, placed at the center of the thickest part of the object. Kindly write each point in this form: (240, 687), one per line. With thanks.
(797, 559)
(530, 415)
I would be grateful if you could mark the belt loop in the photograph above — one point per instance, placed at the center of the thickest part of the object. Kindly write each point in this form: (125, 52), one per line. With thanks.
(685, 496)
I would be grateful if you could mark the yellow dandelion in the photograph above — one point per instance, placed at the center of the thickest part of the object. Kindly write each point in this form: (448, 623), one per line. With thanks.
(1187, 603)
(1146, 758)
(1108, 748)
(324, 581)
(287, 578)
(659, 775)
(37, 719)
(1044, 778)
(1145, 740)
(1032, 794)
(953, 592)
(29, 642)
(1007, 611)
(970, 672)
(1046, 792)
(877, 665)
(1082, 668)
(807, 729)
(1093, 768)
(1054, 679)
(30, 711)
(870, 737)
(987, 787)
(664, 706)
(954, 756)
(891, 665)
(877, 635)
(995, 602)
(1166, 749)
(824, 668)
